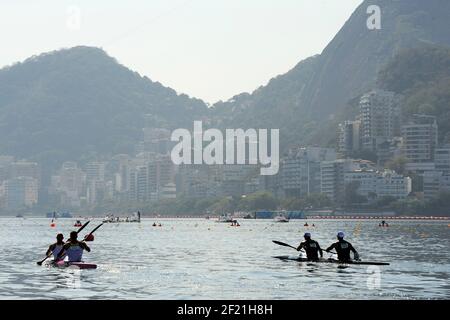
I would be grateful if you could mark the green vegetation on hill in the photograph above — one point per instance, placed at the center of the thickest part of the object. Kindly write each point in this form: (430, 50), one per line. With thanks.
(80, 103)
(422, 75)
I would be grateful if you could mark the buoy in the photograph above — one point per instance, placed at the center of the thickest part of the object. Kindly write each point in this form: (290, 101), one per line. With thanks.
(52, 225)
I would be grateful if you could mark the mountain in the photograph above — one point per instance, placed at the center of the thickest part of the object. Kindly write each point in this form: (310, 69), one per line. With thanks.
(422, 76)
(80, 102)
(304, 101)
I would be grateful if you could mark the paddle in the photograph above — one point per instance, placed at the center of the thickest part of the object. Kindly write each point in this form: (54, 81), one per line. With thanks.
(96, 228)
(79, 230)
(284, 244)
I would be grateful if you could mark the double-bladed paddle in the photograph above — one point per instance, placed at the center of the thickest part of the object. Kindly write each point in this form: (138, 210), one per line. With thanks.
(283, 244)
(78, 231)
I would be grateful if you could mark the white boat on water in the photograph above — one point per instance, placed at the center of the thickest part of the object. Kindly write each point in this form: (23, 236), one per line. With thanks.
(226, 218)
(136, 217)
(281, 218)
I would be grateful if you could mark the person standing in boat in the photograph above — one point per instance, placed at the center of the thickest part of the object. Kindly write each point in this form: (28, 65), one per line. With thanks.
(73, 249)
(343, 248)
(311, 247)
(56, 248)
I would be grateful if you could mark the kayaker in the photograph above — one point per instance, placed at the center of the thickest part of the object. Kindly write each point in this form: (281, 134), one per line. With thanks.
(56, 248)
(343, 248)
(311, 247)
(73, 248)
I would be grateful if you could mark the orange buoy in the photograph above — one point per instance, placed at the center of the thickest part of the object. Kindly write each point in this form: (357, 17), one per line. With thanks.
(52, 225)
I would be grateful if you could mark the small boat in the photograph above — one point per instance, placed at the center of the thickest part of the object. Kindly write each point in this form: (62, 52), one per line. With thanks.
(281, 218)
(136, 217)
(19, 216)
(225, 218)
(303, 259)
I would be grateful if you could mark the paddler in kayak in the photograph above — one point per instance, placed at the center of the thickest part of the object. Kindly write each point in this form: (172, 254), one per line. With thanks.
(311, 247)
(56, 248)
(343, 248)
(73, 249)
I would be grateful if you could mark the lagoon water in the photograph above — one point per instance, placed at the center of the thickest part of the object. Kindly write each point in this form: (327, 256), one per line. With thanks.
(203, 259)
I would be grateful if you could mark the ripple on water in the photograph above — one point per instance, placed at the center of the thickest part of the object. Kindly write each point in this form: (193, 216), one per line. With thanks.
(200, 259)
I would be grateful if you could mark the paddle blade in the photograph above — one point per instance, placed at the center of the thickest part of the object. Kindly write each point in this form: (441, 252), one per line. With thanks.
(89, 237)
(91, 233)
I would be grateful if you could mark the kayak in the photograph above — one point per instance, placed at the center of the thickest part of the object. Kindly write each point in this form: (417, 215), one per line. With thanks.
(300, 259)
(78, 265)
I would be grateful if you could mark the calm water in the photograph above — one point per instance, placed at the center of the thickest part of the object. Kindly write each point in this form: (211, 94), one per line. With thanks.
(202, 259)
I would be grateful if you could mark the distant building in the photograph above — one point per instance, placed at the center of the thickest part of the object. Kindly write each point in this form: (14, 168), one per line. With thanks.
(349, 138)
(438, 180)
(24, 169)
(95, 171)
(378, 184)
(420, 139)
(96, 191)
(300, 170)
(169, 191)
(161, 172)
(157, 140)
(442, 158)
(72, 184)
(21, 192)
(380, 118)
(120, 164)
(5, 163)
(435, 182)
(333, 176)
(389, 150)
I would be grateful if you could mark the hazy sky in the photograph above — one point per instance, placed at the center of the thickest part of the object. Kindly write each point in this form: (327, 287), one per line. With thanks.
(210, 49)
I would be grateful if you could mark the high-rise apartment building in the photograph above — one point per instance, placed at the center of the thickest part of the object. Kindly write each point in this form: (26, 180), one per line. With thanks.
(380, 118)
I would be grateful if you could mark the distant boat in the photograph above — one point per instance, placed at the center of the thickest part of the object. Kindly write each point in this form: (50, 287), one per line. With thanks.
(136, 217)
(281, 218)
(225, 218)
(19, 216)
